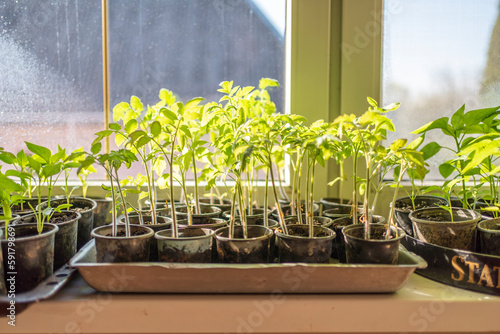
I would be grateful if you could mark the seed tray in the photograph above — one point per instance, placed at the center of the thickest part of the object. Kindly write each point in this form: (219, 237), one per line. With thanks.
(158, 277)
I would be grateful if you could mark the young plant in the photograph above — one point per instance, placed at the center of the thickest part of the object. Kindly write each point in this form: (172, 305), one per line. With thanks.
(111, 162)
(46, 168)
(461, 129)
(364, 134)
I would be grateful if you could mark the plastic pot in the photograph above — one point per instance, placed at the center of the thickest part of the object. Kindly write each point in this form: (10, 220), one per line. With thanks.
(162, 223)
(225, 206)
(404, 207)
(86, 207)
(374, 250)
(112, 249)
(489, 236)
(206, 212)
(65, 239)
(317, 220)
(435, 226)
(254, 249)
(251, 218)
(297, 246)
(338, 250)
(328, 203)
(191, 246)
(102, 212)
(33, 254)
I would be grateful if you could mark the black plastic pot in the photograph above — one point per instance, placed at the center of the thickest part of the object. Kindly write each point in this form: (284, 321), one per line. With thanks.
(65, 239)
(251, 218)
(102, 212)
(489, 236)
(162, 223)
(338, 250)
(317, 220)
(287, 210)
(86, 207)
(374, 250)
(254, 249)
(193, 245)
(24, 208)
(435, 226)
(206, 212)
(341, 210)
(117, 249)
(210, 223)
(404, 208)
(297, 246)
(328, 203)
(225, 206)
(33, 255)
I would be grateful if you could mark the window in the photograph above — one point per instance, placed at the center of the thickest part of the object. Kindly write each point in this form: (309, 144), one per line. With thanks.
(438, 55)
(51, 51)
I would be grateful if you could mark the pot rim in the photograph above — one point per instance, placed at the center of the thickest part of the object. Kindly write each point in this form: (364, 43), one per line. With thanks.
(93, 207)
(95, 232)
(475, 216)
(167, 223)
(325, 229)
(53, 230)
(418, 196)
(268, 233)
(485, 229)
(215, 211)
(208, 234)
(400, 231)
(78, 216)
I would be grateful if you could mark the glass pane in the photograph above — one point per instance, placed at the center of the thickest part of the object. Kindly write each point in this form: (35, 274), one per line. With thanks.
(190, 46)
(51, 83)
(438, 55)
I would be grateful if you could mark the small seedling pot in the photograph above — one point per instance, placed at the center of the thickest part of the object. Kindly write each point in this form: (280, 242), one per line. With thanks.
(338, 250)
(86, 207)
(404, 208)
(287, 210)
(273, 225)
(65, 239)
(110, 249)
(24, 208)
(194, 245)
(34, 254)
(328, 203)
(435, 226)
(253, 249)
(162, 223)
(489, 236)
(298, 246)
(206, 212)
(341, 210)
(251, 218)
(317, 220)
(224, 206)
(374, 250)
(102, 212)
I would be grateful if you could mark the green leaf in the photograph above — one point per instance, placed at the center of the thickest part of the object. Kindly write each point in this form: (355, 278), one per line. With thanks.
(131, 126)
(114, 126)
(155, 128)
(41, 151)
(474, 117)
(119, 110)
(136, 103)
(430, 150)
(440, 123)
(413, 145)
(143, 141)
(372, 102)
(52, 169)
(168, 114)
(457, 119)
(268, 82)
(96, 148)
(445, 169)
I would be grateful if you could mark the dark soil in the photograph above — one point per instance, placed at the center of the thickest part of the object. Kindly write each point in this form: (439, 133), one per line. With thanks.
(409, 208)
(55, 219)
(305, 233)
(121, 233)
(86, 208)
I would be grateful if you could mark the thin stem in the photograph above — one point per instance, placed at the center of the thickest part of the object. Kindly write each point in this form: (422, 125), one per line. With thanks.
(281, 217)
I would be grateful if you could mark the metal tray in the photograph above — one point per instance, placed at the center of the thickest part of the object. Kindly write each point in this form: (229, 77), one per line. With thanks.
(157, 277)
(458, 268)
(45, 289)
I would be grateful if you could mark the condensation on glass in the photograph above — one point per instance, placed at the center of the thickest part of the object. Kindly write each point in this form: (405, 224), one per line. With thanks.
(437, 56)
